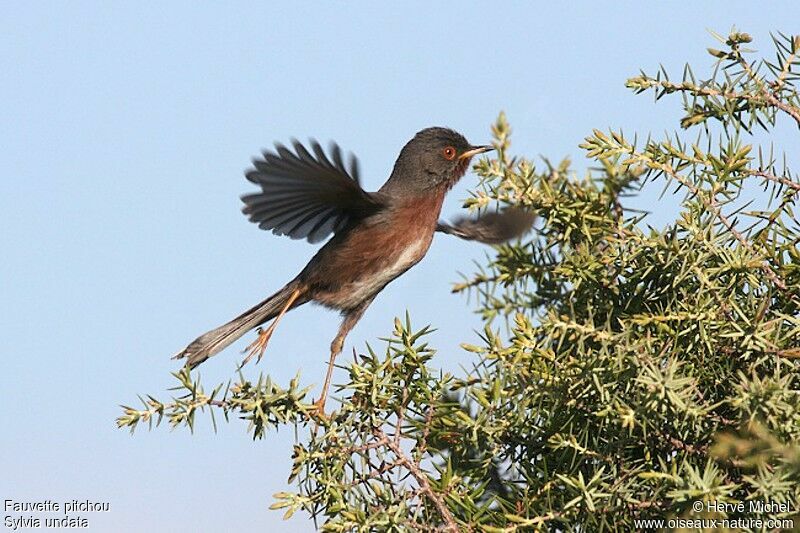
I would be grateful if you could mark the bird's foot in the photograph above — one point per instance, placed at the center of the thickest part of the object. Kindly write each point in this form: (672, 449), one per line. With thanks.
(257, 347)
(319, 408)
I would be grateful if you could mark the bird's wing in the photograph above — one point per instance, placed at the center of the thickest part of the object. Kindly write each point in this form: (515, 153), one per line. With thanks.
(491, 228)
(306, 194)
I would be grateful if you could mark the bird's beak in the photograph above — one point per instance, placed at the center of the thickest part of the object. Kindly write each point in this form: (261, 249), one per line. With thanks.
(475, 150)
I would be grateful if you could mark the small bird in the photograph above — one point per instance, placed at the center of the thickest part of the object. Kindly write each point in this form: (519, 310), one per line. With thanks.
(377, 236)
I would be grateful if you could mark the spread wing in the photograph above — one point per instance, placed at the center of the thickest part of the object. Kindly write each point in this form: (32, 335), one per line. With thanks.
(491, 228)
(305, 195)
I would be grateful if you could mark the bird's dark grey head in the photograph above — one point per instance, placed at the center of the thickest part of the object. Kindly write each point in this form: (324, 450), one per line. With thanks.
(434, 158)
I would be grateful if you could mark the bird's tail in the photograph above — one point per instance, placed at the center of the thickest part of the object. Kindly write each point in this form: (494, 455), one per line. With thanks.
(216, 340)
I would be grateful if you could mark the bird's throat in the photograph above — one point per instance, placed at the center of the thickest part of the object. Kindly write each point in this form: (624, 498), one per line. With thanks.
(457, 174)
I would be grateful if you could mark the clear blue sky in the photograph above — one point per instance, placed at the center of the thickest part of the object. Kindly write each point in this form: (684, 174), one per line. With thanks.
(124, 134)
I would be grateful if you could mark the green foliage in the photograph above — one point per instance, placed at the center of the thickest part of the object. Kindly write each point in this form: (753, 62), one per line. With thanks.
(643, 371)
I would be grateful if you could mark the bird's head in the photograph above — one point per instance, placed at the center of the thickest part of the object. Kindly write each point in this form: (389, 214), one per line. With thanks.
(435, 158)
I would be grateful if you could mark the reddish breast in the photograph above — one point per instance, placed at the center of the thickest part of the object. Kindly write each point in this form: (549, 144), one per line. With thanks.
(407, 232)
(375, 253)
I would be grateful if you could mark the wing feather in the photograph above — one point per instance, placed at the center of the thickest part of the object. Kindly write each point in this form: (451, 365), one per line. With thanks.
(306, 194)
(493, 227)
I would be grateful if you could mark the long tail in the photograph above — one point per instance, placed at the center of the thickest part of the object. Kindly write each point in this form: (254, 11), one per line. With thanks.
(216, 340)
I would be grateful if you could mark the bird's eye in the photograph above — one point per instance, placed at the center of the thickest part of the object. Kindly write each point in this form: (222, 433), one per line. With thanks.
(449, 153)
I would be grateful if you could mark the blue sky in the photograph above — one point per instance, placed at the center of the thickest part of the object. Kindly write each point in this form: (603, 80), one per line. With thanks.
(124, 135)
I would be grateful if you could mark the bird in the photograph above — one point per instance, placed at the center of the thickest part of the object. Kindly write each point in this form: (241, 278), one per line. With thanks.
(376, 236)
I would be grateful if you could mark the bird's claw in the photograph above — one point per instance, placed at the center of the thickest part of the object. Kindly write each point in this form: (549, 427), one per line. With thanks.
(319, 408)
(257, 347)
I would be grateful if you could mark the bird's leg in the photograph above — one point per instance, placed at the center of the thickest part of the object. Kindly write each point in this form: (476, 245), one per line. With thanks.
(350, 320)
(257, 347)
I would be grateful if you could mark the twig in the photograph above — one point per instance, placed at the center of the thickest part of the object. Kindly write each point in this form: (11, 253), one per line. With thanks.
(421, 478)
(712, 206)
(423, 442)
(692, 449)
(763, 96)
(783, 106)
(787, 68)
(376, 473)
(382, 441)
(768, 95)
(398, 431)
(777, 179)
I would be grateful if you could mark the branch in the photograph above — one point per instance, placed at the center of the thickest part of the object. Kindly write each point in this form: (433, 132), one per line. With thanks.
(762, 96)
(783, 106)
(777, 179)
(421, 478)
(712, 206)
(768, 95)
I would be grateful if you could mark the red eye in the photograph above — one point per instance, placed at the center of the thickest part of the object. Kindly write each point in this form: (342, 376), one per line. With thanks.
(449, 153)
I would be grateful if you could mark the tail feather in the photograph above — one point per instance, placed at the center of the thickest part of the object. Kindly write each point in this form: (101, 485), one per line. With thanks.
(212, 342)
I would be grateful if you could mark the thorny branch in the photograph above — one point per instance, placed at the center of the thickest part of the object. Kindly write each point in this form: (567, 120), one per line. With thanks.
(713, 207)
(777, 179)
(421, 478)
